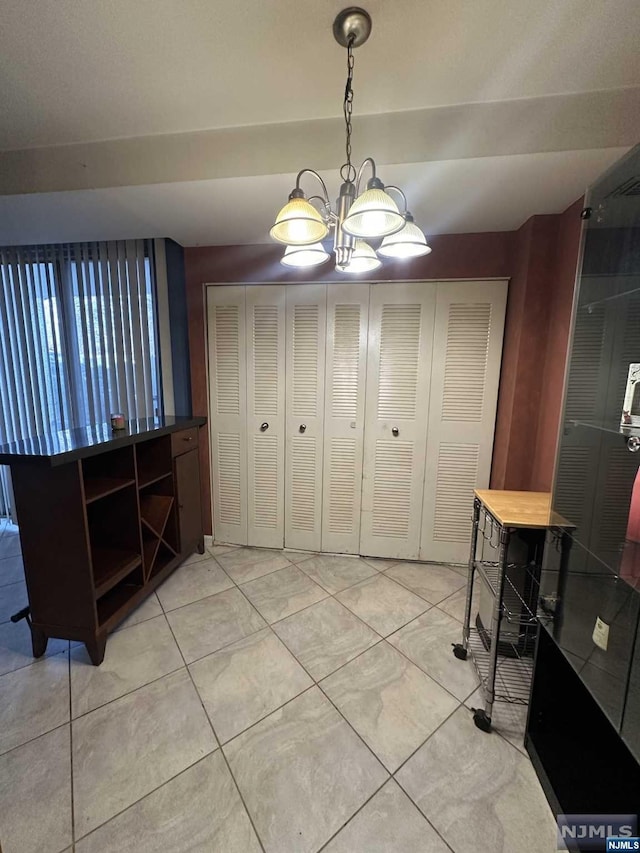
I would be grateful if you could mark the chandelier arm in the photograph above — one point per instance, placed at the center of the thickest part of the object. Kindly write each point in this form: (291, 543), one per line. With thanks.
(400, 193)
(317, 176)
(371, 162)
(326, 207)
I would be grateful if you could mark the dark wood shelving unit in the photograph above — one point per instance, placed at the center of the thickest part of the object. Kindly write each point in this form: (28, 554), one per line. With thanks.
(155, 479)
(110, 566)
(100, 487)
(154, 511)
(103, 522)
(164, 556)
(119, 598)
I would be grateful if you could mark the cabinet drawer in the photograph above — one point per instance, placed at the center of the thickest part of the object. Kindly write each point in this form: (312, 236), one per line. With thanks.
(184, 440)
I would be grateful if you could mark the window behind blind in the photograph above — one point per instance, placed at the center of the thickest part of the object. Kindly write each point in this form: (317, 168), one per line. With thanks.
(78, 338)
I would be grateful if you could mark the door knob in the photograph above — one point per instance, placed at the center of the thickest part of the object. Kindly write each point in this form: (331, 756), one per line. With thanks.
(264, 427)
(303, 427)
(395, 431)
(633, 444)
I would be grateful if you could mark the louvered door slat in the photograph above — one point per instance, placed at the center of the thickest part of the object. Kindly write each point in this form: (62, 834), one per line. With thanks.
(465, 374)
(265, 320)
(305, 355)
(346, 359)
(397, 394)
(227, 422)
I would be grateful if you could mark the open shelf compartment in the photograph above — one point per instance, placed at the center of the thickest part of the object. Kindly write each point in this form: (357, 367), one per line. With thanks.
(111, 606)
(107, 473)
(153, 460)
(514, 607)
(114, 538)
(513, 673)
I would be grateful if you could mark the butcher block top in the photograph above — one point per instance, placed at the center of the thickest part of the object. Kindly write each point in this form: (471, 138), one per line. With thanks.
(521, 509)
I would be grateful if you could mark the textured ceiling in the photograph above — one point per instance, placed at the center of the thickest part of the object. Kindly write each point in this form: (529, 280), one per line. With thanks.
(78, 70)
(489, 111)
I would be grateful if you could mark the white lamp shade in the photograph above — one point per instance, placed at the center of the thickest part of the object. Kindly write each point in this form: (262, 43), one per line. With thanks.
(299, 224)
(409, 242)
(373, 214)
(304, 256)
(363, 259)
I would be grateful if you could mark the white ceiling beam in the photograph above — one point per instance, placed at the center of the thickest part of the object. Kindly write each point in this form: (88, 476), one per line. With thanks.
(591, 120)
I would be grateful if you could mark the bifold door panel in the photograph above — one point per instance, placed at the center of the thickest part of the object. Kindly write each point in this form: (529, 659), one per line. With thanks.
(306, 336)
(355, 417)
(228, 411)
(346, 362)
(465, 372)
(398, 374)
(265, 324)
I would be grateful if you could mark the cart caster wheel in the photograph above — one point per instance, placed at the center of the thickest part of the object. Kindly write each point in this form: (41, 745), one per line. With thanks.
(481, 720)
(459, 651)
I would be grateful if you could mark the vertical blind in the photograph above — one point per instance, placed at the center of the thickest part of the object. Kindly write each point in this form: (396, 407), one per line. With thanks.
(78, 338)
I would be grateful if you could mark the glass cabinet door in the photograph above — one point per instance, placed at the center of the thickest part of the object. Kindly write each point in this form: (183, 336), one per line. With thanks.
(597, 485)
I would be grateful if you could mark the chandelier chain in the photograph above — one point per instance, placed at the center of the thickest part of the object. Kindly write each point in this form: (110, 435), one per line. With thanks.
(348, 171)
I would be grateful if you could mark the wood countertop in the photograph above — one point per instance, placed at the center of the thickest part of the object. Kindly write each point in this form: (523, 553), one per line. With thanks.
(521, 509)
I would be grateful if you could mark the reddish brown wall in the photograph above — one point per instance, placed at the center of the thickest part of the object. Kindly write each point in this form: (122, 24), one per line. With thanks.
(544, 260)
(523, 453)
(564, 276)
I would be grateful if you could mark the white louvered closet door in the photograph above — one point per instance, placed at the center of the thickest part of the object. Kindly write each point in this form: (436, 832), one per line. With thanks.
(398, 375)
(465, 374)
(227, 422)
(305, 340)
(346, 362)
(265, 323)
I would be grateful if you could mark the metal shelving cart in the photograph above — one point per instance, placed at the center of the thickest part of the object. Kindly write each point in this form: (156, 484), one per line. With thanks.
(507, 542)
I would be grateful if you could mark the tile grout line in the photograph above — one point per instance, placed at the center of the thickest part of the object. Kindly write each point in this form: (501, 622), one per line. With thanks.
(73, 815)
(148, 794)
(357, 812)
(172, 778)
(420, 595)
(217, 740)
(438, 833)
(314, 683)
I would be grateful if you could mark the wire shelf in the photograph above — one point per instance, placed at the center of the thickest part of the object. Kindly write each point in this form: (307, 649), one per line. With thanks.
(513, 674)
(514, 608)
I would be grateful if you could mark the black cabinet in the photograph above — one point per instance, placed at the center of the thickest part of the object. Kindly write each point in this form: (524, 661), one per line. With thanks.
(583, 731)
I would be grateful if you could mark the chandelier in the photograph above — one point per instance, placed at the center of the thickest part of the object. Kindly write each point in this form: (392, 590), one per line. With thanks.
(358, 216)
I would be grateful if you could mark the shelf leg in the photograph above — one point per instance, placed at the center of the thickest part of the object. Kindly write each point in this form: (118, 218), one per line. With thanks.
(472, 571)
(96, 649)
(505, 536)
(39, 641)
(200, 546)
(566, 542)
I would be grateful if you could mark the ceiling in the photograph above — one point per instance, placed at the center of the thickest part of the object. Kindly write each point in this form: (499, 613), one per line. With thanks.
(188, 119)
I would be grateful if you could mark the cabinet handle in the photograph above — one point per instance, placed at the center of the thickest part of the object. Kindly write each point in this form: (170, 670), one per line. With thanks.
(395, 431)
(187, 438)
(303, 427)
(264, 427)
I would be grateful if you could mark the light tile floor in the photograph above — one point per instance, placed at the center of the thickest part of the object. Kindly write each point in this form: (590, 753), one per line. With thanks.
(272, 701)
